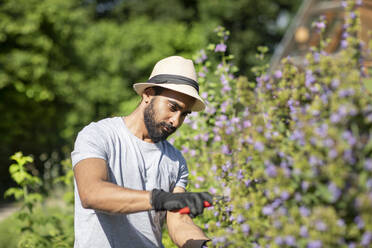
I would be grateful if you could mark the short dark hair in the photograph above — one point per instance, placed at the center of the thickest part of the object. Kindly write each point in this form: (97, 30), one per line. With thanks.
(158, 90)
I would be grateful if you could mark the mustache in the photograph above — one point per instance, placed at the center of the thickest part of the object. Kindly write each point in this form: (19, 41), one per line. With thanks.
(168, 126)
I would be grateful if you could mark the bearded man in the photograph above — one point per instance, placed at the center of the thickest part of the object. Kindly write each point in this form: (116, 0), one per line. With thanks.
(129, 179)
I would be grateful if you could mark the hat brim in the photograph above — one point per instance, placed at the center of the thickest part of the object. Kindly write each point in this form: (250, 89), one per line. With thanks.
(199, 104)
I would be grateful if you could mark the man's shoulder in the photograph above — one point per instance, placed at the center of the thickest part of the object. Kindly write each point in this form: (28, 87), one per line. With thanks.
(104, 123)
(172, 150)
(101, 127)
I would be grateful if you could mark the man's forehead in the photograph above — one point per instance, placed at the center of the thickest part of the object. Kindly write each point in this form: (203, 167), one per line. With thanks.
(185, 101)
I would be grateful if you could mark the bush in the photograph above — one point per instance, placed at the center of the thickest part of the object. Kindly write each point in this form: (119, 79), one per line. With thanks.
(291, 152)
(40, 226)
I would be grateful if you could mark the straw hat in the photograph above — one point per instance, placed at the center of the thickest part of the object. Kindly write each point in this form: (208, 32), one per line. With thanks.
(174, 73)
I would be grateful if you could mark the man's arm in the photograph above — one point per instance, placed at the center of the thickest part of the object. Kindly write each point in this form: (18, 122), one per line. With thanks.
(182, 229)
(97, 193)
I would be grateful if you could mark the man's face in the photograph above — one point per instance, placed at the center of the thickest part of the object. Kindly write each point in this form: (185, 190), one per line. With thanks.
(165, 113)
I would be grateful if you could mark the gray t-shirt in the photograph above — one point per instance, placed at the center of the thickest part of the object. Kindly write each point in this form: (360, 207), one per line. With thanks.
(131, 163)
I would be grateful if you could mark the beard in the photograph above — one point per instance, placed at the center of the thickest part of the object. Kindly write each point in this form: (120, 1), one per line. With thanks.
(155, 129)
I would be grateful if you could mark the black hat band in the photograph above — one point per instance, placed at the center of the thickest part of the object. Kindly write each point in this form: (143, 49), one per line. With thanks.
(173, 79)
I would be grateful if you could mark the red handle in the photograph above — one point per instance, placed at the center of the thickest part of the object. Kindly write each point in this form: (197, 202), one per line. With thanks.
(186, 210)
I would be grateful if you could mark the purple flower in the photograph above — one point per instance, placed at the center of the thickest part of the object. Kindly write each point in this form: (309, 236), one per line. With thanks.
(322, 131)
(220, 48)
(271, 171)
(344, 4)
(284, 195)
(332, 153)
(366, 239)
(298, 135)
(320, 25)
(267, 210)
(240, 219)
(351, 245)
(304, 231)
(245, 228)
(200, 179)
(335, 191)
(305, 185)
(290, 240)
(352, 15)
(368, 164)
(219, 124)
(335, 118)
(358, 2)
(340, 222)
(347, 135)
(279, 240)
(313, 161)
(304, 211)
(246, 124)
(259, 146)
(202, 57)
(344, 44)
(309, 78)
(348, 156)
(206, 226)
(314, 244)
(185, 149)
(212, 190)
(335, 83)
(320, 226)
(240, 175)
(369, 184)
(278, 74)
(192, 153)
(225, 150)
(276, 203)
(359, 221)
(201, 74)
(298, 197)
(329, 142)
(229, 130)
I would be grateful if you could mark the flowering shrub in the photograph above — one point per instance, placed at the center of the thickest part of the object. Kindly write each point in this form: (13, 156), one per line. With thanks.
(291, 151)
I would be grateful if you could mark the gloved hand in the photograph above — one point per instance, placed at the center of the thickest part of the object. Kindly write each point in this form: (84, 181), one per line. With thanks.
(161, 200)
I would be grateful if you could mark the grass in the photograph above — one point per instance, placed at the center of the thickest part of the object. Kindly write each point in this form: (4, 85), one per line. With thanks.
(9, 232)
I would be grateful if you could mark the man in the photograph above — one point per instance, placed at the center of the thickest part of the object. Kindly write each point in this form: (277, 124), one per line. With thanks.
(129, 179)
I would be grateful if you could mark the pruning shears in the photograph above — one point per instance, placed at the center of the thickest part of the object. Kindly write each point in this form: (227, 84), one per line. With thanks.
(186, 210)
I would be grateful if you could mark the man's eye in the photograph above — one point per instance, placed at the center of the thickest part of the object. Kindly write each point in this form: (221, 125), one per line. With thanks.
(173, 108)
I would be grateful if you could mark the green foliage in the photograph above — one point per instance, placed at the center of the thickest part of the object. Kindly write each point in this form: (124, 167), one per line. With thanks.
(36, 226)
(9, 232)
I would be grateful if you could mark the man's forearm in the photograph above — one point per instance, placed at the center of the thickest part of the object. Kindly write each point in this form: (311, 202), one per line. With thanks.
(183, 231)
(111, 198)
(96, 192)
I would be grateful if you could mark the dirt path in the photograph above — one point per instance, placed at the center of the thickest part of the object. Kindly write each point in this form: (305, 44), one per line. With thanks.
(6, 209)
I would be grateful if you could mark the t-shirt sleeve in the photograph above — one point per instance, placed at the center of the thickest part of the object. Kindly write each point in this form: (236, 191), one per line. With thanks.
(183, 173)
(90, 143)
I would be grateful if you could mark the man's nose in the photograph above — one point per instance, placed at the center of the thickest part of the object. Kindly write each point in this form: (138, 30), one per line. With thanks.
(175, 120)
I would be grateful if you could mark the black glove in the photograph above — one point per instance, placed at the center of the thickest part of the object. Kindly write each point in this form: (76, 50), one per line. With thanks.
(161, 200)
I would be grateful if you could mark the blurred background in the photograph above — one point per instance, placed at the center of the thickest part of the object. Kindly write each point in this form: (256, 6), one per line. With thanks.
(65, 63)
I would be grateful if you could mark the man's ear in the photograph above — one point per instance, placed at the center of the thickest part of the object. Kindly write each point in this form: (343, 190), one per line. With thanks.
(147, 94)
